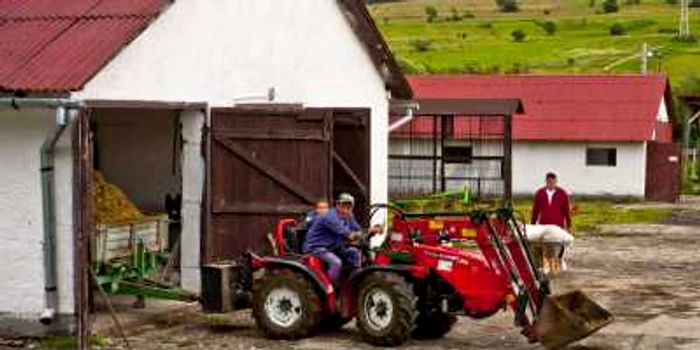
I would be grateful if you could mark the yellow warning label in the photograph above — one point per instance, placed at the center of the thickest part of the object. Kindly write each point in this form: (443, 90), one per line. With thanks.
(468, 232)
(435, 225)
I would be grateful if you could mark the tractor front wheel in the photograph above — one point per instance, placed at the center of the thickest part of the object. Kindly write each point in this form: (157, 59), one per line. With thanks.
(433, 326)
(386, 309)
(286, 305)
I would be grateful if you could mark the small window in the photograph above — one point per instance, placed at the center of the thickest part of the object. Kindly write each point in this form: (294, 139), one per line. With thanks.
(601, 157)
(457, 154)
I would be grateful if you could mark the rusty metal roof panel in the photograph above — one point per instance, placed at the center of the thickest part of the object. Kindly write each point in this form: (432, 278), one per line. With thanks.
(126, 8)
(21, 40)
(35, 9)
(68, 62)
(58, 45)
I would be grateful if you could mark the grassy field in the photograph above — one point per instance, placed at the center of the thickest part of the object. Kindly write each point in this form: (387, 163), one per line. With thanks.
(482, 41)
(588, 215)
(592, 213)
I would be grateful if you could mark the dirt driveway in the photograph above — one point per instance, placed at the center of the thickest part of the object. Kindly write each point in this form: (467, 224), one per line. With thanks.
(647, 276)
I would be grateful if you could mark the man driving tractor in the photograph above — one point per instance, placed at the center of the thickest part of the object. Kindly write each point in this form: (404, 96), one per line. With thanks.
(328, 235)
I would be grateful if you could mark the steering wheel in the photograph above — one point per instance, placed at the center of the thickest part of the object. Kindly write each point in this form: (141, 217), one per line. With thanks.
(378, 240)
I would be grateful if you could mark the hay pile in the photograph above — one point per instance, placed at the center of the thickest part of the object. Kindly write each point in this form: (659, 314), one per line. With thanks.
(111, 205)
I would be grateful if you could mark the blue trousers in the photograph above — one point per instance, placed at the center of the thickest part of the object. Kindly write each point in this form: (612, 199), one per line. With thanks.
(336, 258)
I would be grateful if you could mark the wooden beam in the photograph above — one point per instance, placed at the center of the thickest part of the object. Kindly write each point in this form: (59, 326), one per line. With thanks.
(343, 164)
(266, 169)
(260, 208)
(278, 135)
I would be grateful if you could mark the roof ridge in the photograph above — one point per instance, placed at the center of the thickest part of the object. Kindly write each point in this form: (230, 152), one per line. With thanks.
(77, 17)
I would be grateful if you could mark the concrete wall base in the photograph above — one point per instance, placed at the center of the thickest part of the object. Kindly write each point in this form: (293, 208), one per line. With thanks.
(14, 325)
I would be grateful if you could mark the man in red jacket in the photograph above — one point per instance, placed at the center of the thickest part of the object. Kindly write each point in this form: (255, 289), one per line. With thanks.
(551, 205)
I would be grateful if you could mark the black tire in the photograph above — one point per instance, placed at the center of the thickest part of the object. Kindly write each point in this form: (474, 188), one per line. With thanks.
(433, 326)
(403, 309)
(334, 322)
(308, 307)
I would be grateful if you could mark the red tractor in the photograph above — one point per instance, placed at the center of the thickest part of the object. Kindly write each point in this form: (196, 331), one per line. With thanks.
(412, 286)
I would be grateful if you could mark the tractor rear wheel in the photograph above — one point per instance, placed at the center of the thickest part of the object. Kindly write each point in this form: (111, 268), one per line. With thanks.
(386, 313)
(433, 326)
(286, 305)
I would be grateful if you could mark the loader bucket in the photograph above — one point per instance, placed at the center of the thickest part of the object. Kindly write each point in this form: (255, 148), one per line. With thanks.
(567, 318)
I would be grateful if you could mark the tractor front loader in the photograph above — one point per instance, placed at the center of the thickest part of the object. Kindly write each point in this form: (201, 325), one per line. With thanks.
(412, 286)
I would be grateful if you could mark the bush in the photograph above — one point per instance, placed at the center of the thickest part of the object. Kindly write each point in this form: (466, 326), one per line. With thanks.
(617, 29)
(610, 6)
(421, 45)
(686, 39)
(668, 31)
(462, 35)
(518, 35)
(409, 67)
(486, 25)
(672, 2)
(694, 3)
(547, 12)
(468, 14)
(454, 15)
(518, 69)
(508, 6)
(570, 61)
(591, 3)
(432, 13)
(548, 26)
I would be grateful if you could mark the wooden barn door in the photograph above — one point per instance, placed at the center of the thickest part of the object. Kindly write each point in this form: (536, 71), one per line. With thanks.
(663, 173)
(351, 157)
(264, 163)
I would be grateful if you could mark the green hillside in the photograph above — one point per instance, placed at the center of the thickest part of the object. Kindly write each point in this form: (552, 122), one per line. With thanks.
(473, 36)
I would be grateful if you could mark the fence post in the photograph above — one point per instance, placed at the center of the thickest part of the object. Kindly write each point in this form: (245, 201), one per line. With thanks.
(508, 159)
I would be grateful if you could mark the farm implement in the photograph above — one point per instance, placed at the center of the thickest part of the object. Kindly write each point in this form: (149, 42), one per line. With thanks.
(411, 283)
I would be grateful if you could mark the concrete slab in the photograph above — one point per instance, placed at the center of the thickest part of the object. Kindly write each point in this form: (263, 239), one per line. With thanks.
(132, 318)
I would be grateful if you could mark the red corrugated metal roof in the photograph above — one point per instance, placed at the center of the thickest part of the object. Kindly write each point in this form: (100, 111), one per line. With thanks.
(565, 108)
(58, 45)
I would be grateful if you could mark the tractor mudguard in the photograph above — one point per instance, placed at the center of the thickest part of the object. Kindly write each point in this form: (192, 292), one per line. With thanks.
(409, 271)
(323, 285)
(272, 263)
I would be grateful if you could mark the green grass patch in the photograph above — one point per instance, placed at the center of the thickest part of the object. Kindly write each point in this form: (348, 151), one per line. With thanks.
(592, 213)
(589, 213)
(581, 42)
(67, 343)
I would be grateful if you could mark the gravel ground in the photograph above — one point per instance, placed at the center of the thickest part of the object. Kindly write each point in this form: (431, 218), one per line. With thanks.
(649, 280)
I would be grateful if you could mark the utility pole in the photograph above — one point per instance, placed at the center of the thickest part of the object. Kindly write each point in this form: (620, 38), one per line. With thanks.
(684, 23)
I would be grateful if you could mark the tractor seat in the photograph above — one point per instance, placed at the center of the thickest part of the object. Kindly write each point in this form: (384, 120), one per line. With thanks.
(294, 237)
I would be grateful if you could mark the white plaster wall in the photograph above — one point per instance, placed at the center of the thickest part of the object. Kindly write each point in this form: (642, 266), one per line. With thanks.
(137, 152)
(532, 160)
(21, 222)
(193, 180)
(226, 52)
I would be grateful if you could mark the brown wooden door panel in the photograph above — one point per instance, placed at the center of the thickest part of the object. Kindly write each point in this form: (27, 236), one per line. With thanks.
(351, 157)
(663, 173)
(264, 164)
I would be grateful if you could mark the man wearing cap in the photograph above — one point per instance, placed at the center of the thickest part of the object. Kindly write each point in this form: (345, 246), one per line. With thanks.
(327, 236)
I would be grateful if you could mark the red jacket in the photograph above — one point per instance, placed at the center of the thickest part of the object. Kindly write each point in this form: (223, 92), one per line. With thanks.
(555, 213)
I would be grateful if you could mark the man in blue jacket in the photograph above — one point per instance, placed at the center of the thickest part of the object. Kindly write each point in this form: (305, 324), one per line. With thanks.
(328, 234)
